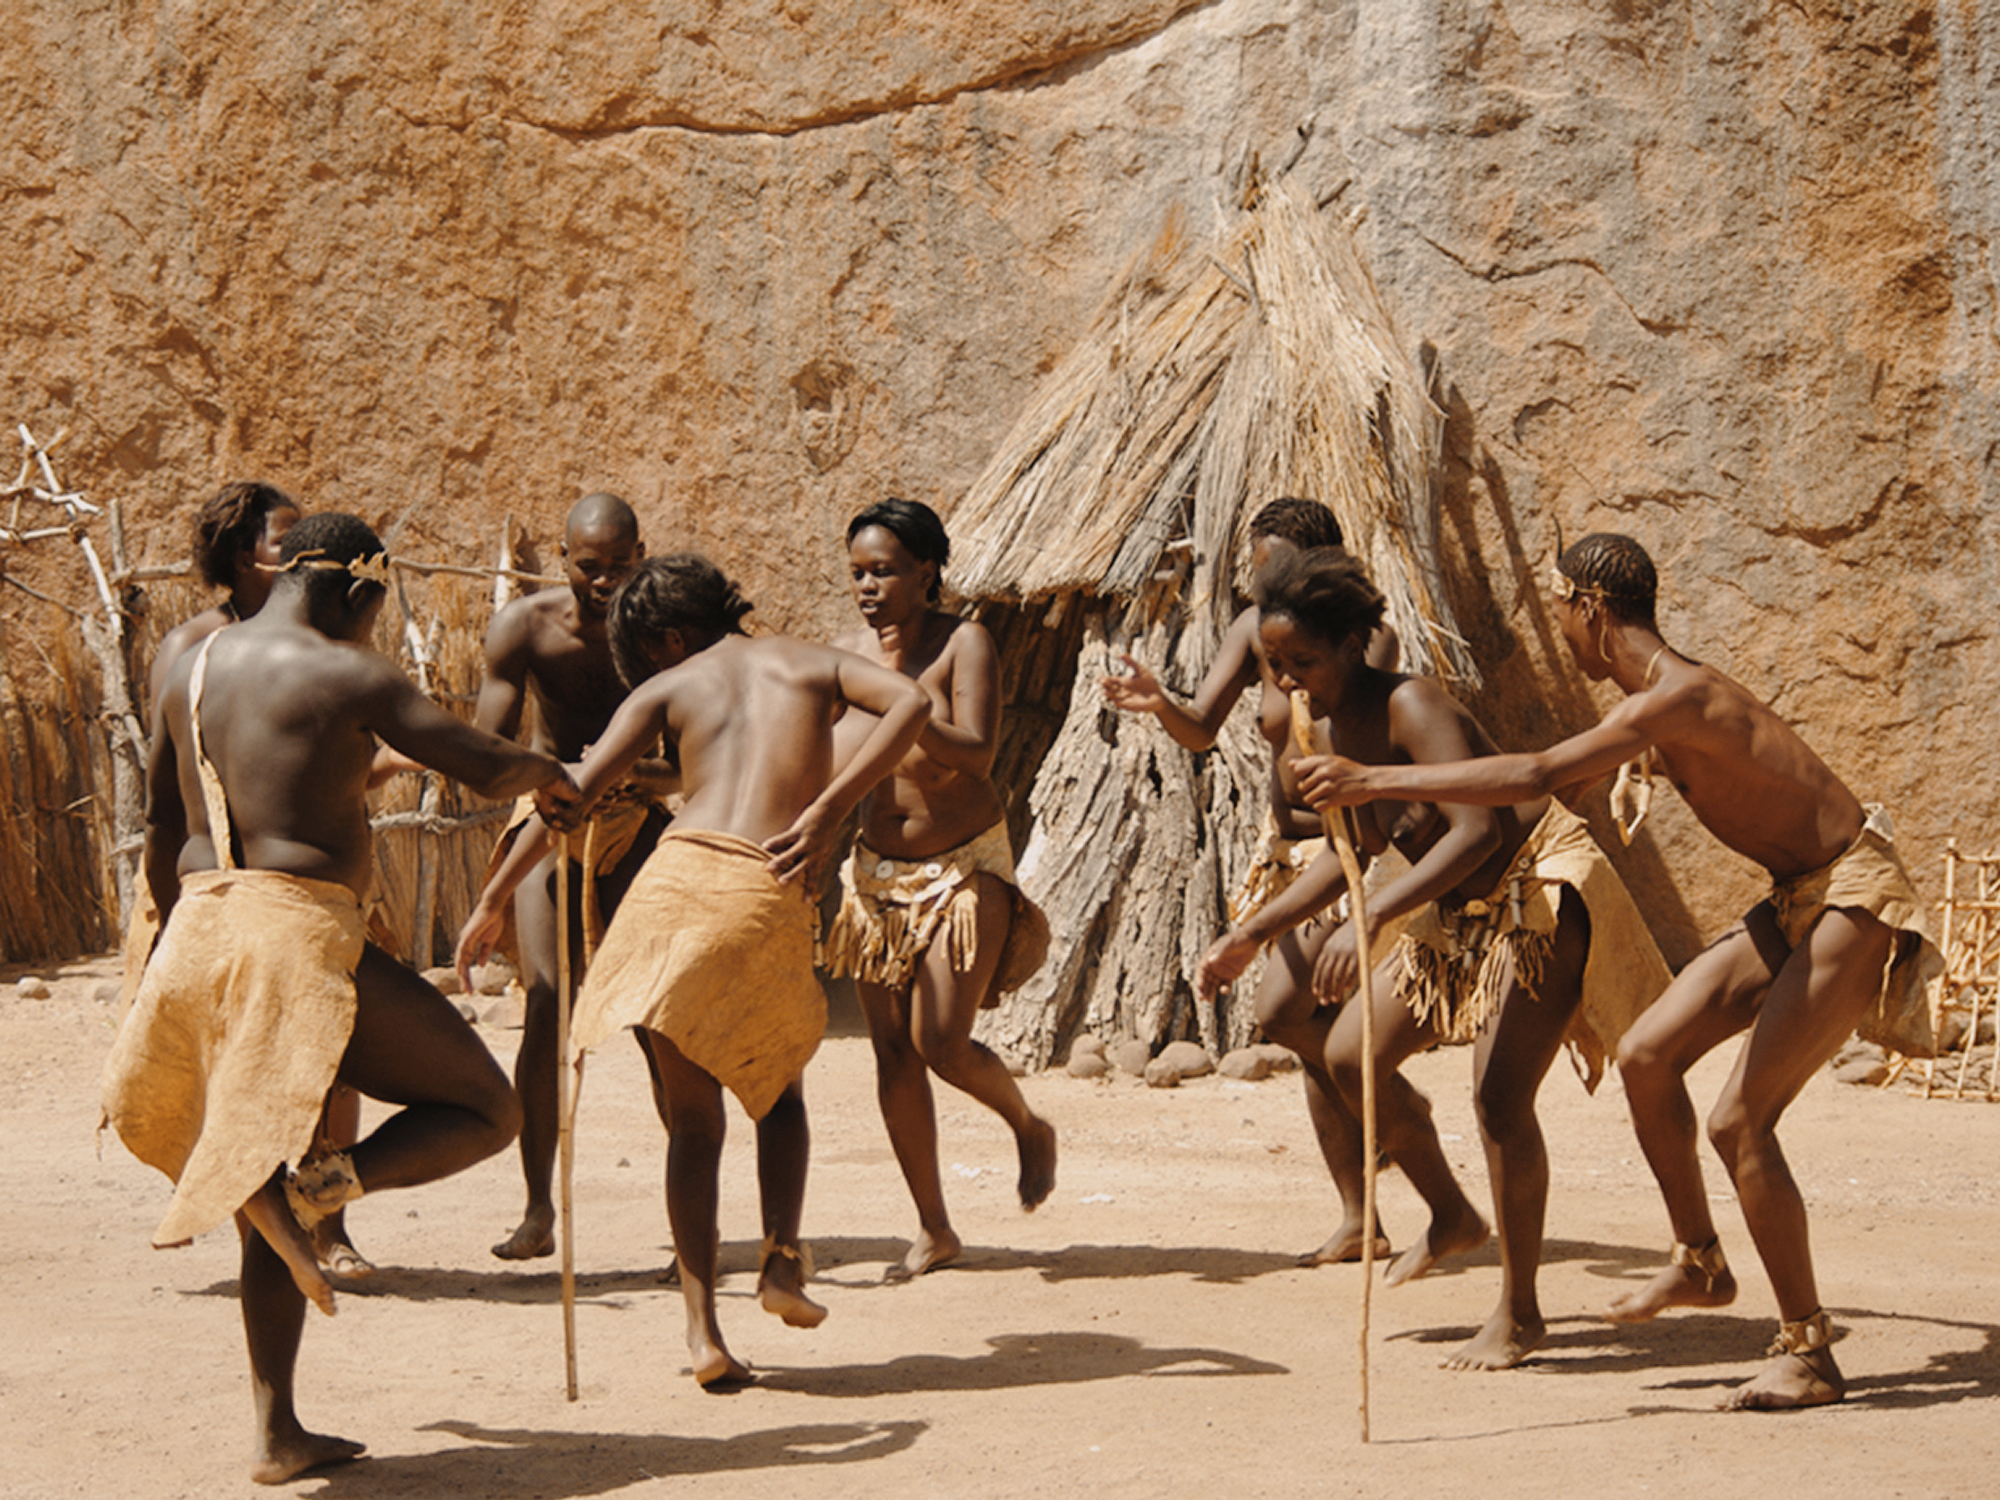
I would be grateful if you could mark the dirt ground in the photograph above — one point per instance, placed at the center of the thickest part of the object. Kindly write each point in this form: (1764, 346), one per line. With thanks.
(1146, 1333)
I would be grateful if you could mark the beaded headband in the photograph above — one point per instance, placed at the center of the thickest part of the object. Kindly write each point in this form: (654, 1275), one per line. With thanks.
(372, 569)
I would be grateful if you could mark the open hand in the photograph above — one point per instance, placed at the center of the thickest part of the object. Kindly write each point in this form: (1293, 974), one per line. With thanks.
(476, 941)
(1224, 962)
(1137, 691)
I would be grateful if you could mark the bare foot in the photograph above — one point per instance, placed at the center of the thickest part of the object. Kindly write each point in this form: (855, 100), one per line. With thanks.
(1788, 1382)
(926, 1251)
(286, 1458)
(337, 1253)
(271, 1216)
(1438, 1241)
(1345, 1246)
(781, 1290)
(1502, 1344)
(535, 1238)
(1674, 1286)
(715, 1368)
(1037, 1143)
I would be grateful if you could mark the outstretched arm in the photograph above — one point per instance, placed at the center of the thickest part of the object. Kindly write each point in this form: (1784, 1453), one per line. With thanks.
(1195, 726)
(1488, 780)
(488, 918)
(633, 730)
(1317, 888)
(410, 723)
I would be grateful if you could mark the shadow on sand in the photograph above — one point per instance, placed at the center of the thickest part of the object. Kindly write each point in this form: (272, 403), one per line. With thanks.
(519, 1464)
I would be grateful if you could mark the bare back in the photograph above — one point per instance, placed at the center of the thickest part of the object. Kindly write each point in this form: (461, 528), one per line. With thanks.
(753, 722)
(289, 717)
(280, 720)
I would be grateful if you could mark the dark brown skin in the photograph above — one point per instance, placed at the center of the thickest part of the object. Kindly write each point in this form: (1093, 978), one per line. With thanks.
(1763, 793)
(1454, 852)
(291, 710)
(752, 722)
(1239, 663)
(553, 648)
(940, 796)
(251, 570)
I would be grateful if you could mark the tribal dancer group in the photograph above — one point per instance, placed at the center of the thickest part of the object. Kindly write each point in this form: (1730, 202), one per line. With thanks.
(701, 780)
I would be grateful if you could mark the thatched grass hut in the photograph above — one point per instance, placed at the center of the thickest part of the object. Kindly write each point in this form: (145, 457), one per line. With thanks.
(1213, 379)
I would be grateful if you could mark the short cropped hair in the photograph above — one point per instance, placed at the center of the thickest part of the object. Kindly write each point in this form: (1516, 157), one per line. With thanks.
(683, 591)
(1617, 570)
(230, 524)
(1322, 589)
(1303, 523)
(332, 536)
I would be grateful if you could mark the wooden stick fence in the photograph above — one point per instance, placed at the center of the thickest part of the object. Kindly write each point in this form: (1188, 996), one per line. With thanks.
(107, 633)
(1970, 938)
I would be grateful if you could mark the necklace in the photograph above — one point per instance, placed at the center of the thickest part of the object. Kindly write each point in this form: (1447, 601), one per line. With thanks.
(1647, 681)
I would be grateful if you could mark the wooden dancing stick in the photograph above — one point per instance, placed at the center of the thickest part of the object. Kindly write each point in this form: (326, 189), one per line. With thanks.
(565, 1106)
(1335, 821)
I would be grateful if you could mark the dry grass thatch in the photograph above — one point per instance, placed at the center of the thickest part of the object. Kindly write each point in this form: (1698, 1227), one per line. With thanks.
(1211, 381)
(56, 895)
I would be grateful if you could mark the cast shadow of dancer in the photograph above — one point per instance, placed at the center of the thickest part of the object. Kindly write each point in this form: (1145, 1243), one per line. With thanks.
(1017, 1360)
(522, 1463)
(1215, 1264)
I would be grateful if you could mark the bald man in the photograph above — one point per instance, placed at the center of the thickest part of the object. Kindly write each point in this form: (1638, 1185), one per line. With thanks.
(554, 647)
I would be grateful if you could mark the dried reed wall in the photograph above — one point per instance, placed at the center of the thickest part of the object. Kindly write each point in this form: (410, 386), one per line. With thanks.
(58, 877)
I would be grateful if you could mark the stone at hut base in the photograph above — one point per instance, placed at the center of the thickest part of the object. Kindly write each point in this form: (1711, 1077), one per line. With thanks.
(1189, 1059)
(1087, 1065)
(492, 977)
(1131, 1057)
(32, 987)
(508, 1013)
(1282, 1059)
(443, 979)
(1245, 1063)
(1161, 1074)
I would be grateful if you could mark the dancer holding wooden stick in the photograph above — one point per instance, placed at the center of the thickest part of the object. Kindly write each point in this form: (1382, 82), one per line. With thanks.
(1292, 838)
(1521, 937)
(710, 956)
(1340, 834)
(1840, 944)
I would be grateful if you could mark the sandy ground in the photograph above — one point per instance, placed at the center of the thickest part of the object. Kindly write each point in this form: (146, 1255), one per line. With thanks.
(1146, 1333)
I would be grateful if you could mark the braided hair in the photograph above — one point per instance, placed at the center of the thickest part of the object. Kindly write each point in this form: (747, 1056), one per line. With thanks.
(1617, 570)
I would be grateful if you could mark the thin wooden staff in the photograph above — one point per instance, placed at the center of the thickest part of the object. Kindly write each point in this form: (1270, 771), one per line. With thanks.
(565, 1103)
(1334, 820)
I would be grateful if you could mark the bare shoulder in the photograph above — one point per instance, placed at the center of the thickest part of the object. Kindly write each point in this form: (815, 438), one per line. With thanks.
(521, 623)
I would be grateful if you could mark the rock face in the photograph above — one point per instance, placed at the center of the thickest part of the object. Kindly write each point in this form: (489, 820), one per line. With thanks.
(1717, 275)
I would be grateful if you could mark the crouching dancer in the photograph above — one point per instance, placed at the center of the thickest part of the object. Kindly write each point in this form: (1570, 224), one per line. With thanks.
(261, 993)
(1839, 944)
(711, 952)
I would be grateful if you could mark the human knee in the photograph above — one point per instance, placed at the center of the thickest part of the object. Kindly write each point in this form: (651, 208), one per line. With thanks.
(1504, 1111)
(1734, 1130)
